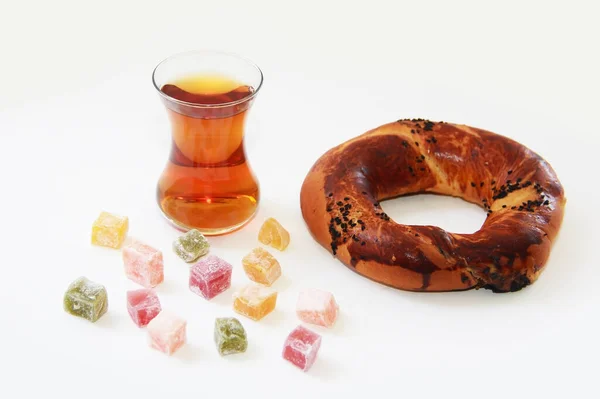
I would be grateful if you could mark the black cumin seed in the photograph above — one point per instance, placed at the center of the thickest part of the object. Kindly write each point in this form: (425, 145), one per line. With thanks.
(503, 206)
(433, 140)
(427, 140)
(404, 143)
(546, 202)
(362, 227)
(417, 144)
(472, 184)
(416, 234)
(339, 203)
(346, 199)
(331, 194)
(363, 243)
(509, 172)
(364, 193)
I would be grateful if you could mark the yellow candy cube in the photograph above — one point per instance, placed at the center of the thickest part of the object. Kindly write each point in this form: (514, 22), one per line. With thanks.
(109, 230)
(272, 233)
(254, 301)
(261, 266)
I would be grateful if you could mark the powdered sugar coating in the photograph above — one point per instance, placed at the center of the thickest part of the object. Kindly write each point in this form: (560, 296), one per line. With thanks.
(317, 307)
(254, 301)
(210, 276)
(143, 264)
(167, 332)
(143, 305)
(86, 299)
(301, 347)
(191, 246)
(260, 266)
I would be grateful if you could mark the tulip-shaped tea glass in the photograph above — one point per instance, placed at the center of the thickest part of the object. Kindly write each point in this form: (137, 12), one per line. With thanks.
(207, 183)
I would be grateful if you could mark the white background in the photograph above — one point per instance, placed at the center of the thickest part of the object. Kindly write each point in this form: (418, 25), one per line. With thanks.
(82, 130)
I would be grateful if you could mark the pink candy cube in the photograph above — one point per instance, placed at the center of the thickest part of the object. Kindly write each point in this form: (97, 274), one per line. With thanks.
(167, 332)
(143, 306)
(143, 264)
(210, 276)
(301, 347)
(317, 307)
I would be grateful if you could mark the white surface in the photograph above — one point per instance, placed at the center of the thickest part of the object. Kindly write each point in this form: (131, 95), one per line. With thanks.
(82, 130)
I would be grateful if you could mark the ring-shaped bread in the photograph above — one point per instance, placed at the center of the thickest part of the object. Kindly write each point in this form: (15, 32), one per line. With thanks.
(518, 189)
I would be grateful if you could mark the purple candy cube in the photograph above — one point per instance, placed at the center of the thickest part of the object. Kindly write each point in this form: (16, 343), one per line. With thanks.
(210, 276)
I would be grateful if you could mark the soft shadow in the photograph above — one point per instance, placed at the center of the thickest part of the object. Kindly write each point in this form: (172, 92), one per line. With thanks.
(471, 298)
(275, 318)
(324, 369)
(251, 355)
(188, 353)
(109, 320)
(224, 298)
(282, 283)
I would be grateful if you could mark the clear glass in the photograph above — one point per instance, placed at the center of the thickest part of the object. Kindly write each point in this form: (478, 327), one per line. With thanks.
(207, 183)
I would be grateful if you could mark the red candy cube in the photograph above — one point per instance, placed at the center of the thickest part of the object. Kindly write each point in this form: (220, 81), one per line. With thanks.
(143, 306)
(301, 347)
(210, 276)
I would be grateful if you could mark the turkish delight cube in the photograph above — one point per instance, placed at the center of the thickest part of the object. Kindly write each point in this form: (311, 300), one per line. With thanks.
(261, 266)
(317, 307)
(167, 332)
(86, 299)
(191, 246)
(254, 301)
(230, 336)
(109, 230)
(143, 305)
(272, 233)
(143, 264)
(301, 347)
(210, 276)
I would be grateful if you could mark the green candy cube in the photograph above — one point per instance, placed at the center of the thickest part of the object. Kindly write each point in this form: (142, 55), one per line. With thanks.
(87, 299)
(191, 246)
(230, 336)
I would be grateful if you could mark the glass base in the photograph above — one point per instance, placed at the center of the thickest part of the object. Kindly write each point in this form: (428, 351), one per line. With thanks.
(207, 232)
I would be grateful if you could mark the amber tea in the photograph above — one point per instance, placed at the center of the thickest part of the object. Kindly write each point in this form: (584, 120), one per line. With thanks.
(207, 183)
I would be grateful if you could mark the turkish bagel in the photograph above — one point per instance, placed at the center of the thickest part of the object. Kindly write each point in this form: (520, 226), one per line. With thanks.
(517, 188)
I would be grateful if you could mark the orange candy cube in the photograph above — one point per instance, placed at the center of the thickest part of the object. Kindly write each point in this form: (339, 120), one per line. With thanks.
(272, 233)
(109, 230)
(254, 301)
(260, 266)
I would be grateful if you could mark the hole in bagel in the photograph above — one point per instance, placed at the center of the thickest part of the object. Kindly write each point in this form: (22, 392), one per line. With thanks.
(450, 213)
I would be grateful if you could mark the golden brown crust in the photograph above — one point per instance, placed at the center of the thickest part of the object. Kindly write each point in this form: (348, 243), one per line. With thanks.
(519, 190)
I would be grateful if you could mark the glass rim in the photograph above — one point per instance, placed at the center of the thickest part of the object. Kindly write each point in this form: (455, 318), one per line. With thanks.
(209, 52)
